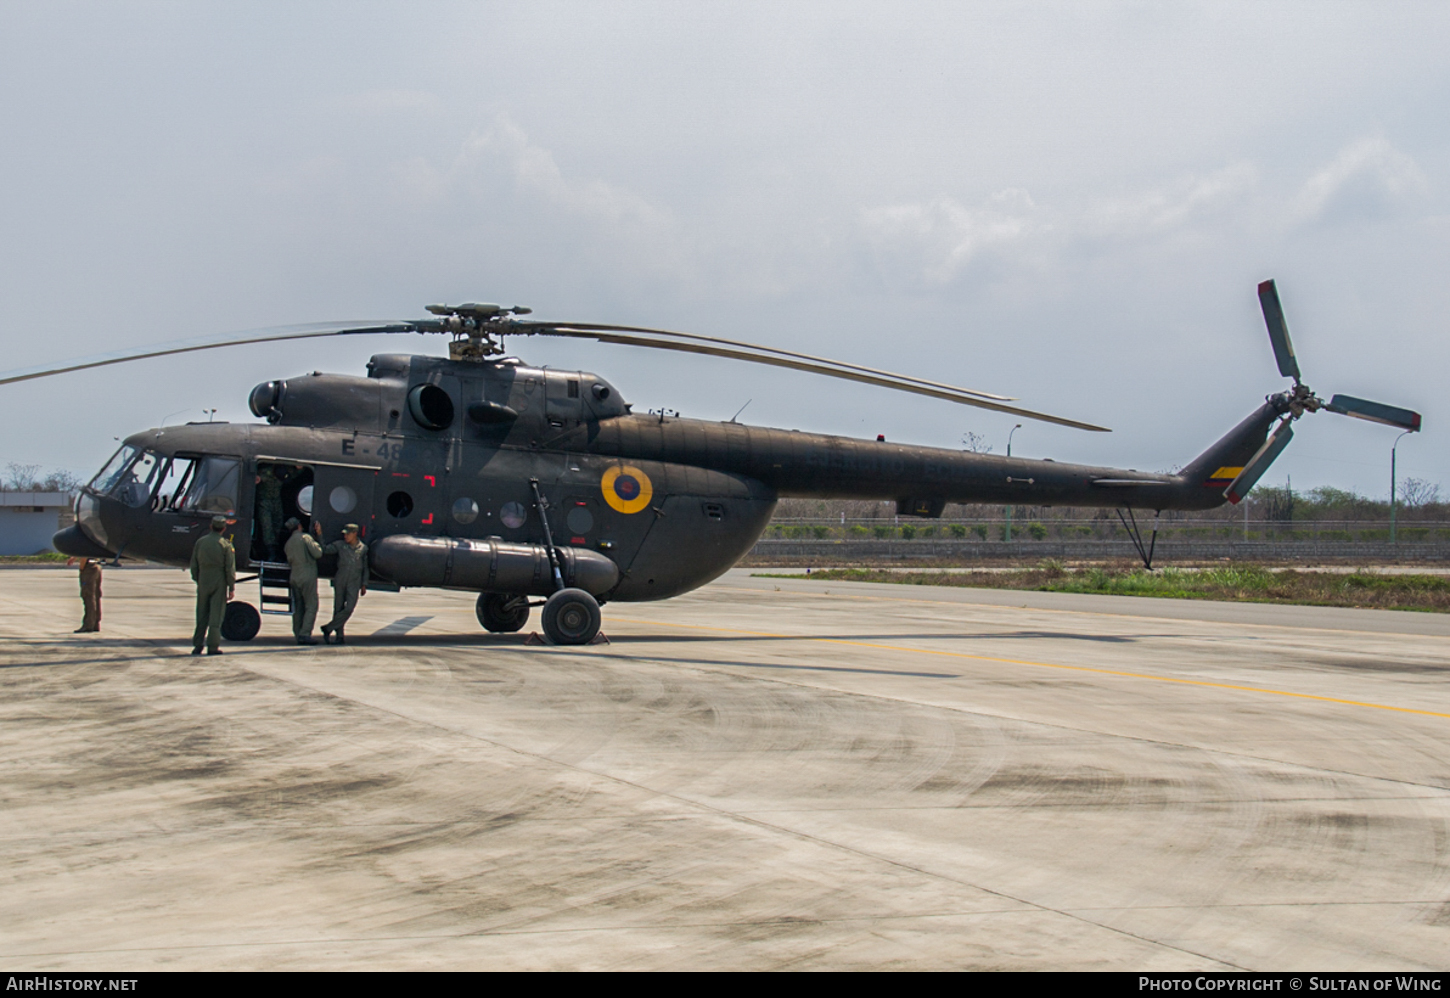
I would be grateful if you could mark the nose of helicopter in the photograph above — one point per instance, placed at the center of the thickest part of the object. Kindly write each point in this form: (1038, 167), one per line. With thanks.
(77, 543)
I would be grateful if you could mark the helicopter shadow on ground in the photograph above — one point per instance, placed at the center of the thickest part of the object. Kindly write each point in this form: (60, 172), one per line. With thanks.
(912, 636)
(523, 638)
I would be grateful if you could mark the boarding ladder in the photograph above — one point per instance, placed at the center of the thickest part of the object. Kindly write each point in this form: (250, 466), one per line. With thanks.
(275, 580)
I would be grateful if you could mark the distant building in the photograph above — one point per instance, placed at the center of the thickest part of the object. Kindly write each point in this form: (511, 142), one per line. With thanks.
(28, 520)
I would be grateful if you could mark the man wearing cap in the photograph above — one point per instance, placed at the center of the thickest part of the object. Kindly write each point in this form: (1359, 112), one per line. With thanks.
(214, 570)
(302, 554)
(349, 583)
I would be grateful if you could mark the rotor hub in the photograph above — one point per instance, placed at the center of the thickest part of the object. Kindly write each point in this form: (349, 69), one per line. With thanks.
(477, 328)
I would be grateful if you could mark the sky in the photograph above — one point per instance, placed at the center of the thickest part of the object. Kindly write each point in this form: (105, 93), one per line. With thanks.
(1066, 203)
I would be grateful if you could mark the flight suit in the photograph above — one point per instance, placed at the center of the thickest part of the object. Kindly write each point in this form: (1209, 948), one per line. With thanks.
(214, 570)
(302, 554)
(91, 594)
(347, 584)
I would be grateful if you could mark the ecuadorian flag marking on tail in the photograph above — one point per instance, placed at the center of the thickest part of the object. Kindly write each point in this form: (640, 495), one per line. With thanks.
(1222, 478)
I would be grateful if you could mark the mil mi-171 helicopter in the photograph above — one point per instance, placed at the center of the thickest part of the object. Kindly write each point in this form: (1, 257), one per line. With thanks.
(481, 473)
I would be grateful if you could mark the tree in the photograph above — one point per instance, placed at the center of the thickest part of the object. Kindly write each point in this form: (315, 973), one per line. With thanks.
(976, 443)
(1418, 492)
(21, 477)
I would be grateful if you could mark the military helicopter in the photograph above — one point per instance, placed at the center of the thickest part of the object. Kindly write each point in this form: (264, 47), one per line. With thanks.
(541, 487)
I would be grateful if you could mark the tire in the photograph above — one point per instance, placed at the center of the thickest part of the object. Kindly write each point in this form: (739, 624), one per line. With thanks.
(571, 617)
(502, 613)
(240, 621)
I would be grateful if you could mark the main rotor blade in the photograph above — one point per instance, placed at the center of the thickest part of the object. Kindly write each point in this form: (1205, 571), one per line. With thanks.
(1278, 330)
(307, 331)
(1259, 463)
(541, 328)
(606, 335)
(1375, 412)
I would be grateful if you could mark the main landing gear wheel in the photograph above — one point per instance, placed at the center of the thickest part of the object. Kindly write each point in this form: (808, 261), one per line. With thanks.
(502, 613)
(571, 617)
(240, 621)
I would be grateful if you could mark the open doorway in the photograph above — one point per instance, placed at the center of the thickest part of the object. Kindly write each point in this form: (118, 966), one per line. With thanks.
(282, 491)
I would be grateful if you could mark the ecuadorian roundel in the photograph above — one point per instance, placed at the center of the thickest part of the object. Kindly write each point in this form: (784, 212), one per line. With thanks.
(626, 488)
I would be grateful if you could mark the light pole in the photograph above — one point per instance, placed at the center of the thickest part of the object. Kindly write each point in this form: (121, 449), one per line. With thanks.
(1007, 531)
(1392, 484)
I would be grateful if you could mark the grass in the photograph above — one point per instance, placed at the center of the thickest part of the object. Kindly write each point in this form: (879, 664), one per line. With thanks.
(47, 558)
(1237, 583)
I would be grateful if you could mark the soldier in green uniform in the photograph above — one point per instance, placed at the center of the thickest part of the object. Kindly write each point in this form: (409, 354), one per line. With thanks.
(214, 570)
(349, 583)
(302, 555)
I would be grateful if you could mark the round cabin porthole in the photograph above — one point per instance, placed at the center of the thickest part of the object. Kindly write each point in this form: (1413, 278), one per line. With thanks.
(513, 515)
(400, 504)
(304, 499)
(580, 520)
(465, 510)
(342, 499)
(431, 407)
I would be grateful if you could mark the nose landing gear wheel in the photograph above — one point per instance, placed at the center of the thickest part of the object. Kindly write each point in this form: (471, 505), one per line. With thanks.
(502, 613)
(240, 621)
(571, 617)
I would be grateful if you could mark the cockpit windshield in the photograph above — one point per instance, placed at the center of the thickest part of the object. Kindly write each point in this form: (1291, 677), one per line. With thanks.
(110, 475)
(128, 475)
(187, 484)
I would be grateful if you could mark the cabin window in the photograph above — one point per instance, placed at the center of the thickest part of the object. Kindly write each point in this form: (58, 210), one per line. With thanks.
(213, 486)
(513, 515)
(342, 499)
(465, 510)
(400, 504)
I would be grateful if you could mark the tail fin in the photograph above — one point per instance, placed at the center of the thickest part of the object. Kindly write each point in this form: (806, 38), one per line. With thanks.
(1219, 466)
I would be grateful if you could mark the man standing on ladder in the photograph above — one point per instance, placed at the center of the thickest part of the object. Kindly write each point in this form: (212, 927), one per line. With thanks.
(302, 554)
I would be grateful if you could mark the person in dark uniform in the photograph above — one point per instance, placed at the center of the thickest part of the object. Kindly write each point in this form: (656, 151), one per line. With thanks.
(269, 511)
(302, 555)
(90, 594)
(214, 570)
(349, 583)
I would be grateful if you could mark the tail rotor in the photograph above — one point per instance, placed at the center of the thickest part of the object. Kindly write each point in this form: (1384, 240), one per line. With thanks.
(1301, 399)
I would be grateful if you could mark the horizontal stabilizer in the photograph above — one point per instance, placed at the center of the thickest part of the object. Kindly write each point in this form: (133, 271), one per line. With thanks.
(1127, 483)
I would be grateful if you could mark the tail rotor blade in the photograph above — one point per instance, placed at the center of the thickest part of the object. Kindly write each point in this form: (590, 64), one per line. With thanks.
(1375, 412)
(1278, 330)
(1259, 463)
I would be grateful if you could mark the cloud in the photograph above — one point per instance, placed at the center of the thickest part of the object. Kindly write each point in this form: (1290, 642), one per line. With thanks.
(535, 172)
(1173, 206)
(942, 238)
(1368, 178)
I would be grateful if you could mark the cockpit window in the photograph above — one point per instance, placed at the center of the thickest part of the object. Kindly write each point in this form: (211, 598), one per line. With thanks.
(133, 486)
(172, 484)
(107, 478)
(213, 486)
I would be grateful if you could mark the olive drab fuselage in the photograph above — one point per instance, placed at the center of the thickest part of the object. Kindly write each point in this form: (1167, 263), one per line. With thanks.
(653, 506)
